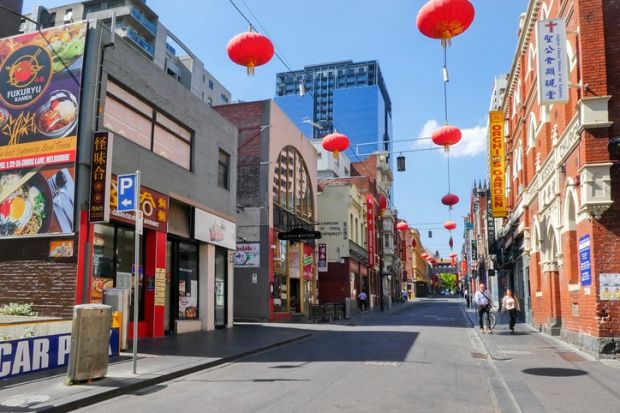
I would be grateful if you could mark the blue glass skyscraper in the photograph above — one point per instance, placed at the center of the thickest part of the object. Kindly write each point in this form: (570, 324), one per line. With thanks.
(346, 96)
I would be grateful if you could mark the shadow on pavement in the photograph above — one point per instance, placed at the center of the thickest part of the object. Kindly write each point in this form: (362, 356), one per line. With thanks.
(555, 372)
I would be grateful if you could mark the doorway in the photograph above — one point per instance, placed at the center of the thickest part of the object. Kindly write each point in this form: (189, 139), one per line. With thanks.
(181, 283)
(221, 287)
(294, 299)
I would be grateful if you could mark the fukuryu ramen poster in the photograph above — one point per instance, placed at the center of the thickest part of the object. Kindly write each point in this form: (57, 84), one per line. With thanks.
(40, 80)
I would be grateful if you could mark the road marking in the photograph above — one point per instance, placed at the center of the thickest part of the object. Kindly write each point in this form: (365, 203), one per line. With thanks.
(383, 363)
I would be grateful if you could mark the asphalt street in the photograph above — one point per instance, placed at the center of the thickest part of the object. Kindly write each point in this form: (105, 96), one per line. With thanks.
(424, 357)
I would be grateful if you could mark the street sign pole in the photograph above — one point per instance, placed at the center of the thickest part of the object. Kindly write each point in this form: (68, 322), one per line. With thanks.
(136, 271)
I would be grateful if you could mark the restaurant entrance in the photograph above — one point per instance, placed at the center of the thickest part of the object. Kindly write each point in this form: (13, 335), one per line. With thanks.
(181, 282)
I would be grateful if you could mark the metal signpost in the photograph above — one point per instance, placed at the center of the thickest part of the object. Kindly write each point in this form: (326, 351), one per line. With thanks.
(128, 188)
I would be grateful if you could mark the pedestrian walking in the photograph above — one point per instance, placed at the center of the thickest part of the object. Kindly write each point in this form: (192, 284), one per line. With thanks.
(510, 304)
(485, 302)
(403, 295)
(363, 297)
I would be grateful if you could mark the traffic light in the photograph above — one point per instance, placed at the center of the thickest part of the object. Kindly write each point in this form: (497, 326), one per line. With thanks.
(430, 234)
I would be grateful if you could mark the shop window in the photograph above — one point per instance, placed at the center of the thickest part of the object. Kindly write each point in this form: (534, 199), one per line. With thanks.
(223, 169)
(170, 147)
(113, 261)
(187, 273)
(280, 293)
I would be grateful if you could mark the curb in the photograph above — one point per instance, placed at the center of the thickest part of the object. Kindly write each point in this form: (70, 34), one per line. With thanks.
(119, 391)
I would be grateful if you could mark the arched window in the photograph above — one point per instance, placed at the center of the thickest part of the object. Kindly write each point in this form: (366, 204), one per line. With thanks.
(292, 188)
(530, 59)
(572, 57)
(570, 247)
(531, 132)
(544, 12)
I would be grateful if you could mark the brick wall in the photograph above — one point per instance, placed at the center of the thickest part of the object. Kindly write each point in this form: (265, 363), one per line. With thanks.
(28, 275)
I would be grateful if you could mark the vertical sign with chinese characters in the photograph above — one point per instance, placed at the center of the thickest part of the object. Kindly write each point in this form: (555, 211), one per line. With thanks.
(490, 225)
(552, 61)
(322, 258)
(370, 222)
(100, 177)
(497, 161)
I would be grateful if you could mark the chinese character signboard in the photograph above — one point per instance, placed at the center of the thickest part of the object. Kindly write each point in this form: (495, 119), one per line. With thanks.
(100, 177)
(552, 61)
(40, 80)
(490, 226)
(153, 204)
(322, 258)
(497, 161)
(584, 260)
(370, 222)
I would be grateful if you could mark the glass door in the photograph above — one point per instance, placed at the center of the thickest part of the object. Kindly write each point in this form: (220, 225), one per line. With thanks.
(221, 280)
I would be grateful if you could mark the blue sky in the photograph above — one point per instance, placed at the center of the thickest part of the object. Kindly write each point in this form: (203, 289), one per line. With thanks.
(325, 30)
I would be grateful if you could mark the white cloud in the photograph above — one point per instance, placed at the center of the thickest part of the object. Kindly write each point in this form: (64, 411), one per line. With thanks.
(472, 144)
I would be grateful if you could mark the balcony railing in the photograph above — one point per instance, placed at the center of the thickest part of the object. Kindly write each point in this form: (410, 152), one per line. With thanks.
(139, 40)
(136, 14)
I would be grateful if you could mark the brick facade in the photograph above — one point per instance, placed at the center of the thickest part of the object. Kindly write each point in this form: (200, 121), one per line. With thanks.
(557, 167)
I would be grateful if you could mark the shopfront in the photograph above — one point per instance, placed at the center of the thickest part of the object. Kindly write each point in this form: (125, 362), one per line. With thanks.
(113, 255)
(215, 255)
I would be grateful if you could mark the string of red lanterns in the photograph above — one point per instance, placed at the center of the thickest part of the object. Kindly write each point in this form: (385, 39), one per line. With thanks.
(445, 19)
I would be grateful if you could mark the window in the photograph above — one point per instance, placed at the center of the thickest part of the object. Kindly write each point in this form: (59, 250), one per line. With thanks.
(135, 120)
(224, 98)
(210, 84)
(531, 133)
(210, 101)
(223, 169)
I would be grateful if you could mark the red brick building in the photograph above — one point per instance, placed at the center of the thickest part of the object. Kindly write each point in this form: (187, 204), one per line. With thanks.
(562, 177)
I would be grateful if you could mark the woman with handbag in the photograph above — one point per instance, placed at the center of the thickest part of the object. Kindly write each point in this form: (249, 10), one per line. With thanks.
(511, 305)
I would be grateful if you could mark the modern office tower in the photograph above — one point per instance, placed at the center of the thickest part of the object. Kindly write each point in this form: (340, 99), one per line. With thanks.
(345, 96)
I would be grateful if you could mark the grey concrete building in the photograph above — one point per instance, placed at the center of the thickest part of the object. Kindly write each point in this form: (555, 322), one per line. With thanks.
(187, 155)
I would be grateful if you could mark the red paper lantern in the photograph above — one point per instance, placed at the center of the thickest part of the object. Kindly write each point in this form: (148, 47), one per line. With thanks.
(451, 242)
(445, 19)
(335, 143)
(414, 243)
(402, 226)
(382, 202)
(449, 225)
(453, 255)
(450, 200)
(250, 49)
(447, 135)
(424, 255)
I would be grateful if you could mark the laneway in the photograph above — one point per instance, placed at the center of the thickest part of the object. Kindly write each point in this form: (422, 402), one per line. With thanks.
(424, 356)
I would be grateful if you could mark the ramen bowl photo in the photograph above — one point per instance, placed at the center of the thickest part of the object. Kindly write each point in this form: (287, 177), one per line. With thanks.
(57, 117)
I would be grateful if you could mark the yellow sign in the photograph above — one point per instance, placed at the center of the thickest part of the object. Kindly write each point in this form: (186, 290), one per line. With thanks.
(160, 286)
(497, 160)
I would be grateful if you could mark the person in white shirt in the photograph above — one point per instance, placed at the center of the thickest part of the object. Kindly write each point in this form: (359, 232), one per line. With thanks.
(511, 305)
(485, 302)
(363, 297)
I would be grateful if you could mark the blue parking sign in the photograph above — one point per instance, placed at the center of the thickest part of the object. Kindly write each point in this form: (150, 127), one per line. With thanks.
(126, 189)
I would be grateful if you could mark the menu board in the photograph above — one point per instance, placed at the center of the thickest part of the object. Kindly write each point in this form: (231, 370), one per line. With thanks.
(160, 286)
(40, 82)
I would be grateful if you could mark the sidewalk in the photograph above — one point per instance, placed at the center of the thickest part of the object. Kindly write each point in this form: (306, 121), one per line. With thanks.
(159, 360)
(163, 359)
(541, 373)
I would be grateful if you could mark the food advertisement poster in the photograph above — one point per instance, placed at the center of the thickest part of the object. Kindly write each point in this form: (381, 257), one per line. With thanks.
(308, 262)
(40, 81)
(610, 287)
(61, 249)
(247, 255)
